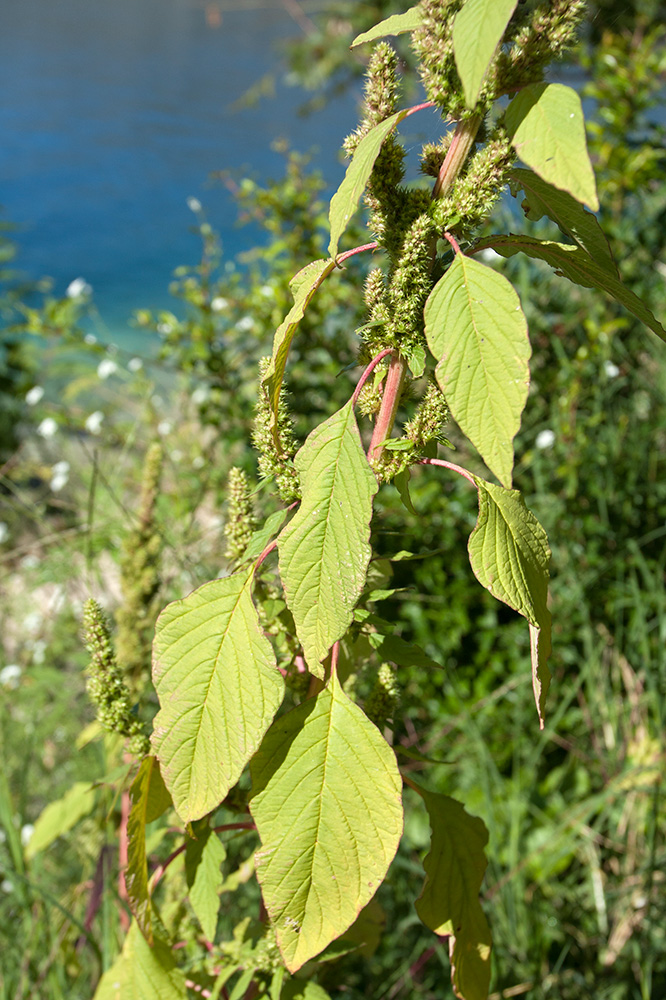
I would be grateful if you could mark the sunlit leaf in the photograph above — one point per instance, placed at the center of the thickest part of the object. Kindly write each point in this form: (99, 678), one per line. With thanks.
(149, 799)
(573, 263)
(478, 333)
(142, 972)
(544, 199)
(397, 24)
(324, 550)
(547, 128)
(327, 804)
(449, 904)
(477, 31)
(218, 686)
(60, 816)
(203, 856)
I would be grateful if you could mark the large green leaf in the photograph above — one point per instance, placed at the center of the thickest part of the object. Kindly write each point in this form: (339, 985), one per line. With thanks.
(327, 804)
(547, 130)
(345, 200)
(544, 199)
(478, 333)
(303, 287)
(142, 972)
(449, 904)
(149, 799)
(60, 816)
(573, 263)
(510, 556)
(397, 24)
(477, 31)
(204, 854)
(218, 686)
(324, 550)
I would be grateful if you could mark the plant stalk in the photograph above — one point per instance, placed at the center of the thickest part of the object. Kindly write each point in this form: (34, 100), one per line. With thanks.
(389, 407)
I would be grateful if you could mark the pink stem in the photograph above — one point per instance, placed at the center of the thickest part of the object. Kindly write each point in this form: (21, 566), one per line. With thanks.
(271, 545)
(351, 253)
(389, 407)
(335, 652)
(453, 242)
(449, 465)
(368, 371)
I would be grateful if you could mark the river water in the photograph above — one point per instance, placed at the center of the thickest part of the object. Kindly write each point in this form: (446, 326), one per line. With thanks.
(115, 113)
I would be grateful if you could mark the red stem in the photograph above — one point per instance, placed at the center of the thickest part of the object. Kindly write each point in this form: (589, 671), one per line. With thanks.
(368, 371)
(449, 465)
(351, 253)
(389, 407)
(454, 243)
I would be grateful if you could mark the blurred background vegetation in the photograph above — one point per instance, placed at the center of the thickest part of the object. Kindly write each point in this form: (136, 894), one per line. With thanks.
(575, 886)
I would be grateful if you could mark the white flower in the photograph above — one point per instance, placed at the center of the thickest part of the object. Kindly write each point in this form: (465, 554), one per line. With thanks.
(164, 427)
(200, 395)
(612, 370)
(26, 833)
(545, 439)
(30, 562)
(106, 367)
(59, 476)
(176, 455)
(245, 324)
(10, 675)
(32, 621)
(198, 462)
(194, 204)
(489, 256)
(219, 303)
(47, 428)
(7, 886)
(135, 364)
(38, 651)
(90, 338)
(94, 422)
(78, 288)
(164, 327)
(266, 291)
(4, 531)
(33, 396)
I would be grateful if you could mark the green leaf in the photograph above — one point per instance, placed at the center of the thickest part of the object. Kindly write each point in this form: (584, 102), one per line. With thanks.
(477, 31)
(476, 329)
(345, 200)
(262, 536)
(142, 972)
(303, 989)
(328, 810)
(324, 550)
(449, 904)
(509, 554)
(218, 686)
(303, 287)
(60, 816)
(397, 24)
(401, 483)
(547, 128)
(203, 857)
(404, 654)
(149, 799)
(544, 199)
(574, 264)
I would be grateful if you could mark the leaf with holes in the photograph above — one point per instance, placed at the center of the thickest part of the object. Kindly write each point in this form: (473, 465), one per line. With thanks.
(218, 686)
(327, 804)
(449, 904)
(477, 31)
(397, 24)
(510, 556)
(324, 550)
(149, 799)
(478, 333)
(573, 263)
(547, 128)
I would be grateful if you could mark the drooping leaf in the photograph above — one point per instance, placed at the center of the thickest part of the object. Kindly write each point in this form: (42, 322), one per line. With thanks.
(303, 287)
(324, 550)
(149, 799)
(142, 972)
(510, 556)
(345, 200)
(397, 24)
(544, 199)
(477, 31)
(401, 483)
(262, 536)
(449, 903)
(204, 854)
(60, 816)
(477, 331)
(547, 128)
(327, 804)
(573, 263)
(218, 686)
(404, 654)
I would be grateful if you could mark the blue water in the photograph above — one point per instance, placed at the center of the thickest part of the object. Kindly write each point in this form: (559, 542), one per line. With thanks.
(114, 112)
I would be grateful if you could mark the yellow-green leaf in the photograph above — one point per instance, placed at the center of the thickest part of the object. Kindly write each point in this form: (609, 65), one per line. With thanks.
(142, 972)
(477, 31)
(218, 686)
(397, 24)
(204, 854)
(60, 816)
(149, 799)
(547, 128)
(477, 331)
(449, 904)
(324, 550)
(327, 804)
